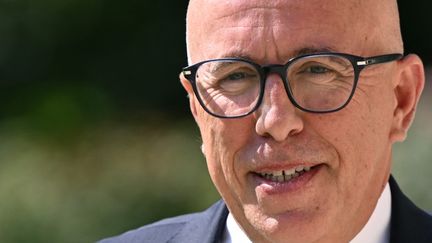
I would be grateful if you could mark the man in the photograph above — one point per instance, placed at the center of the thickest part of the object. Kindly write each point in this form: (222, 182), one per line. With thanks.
(299, 104)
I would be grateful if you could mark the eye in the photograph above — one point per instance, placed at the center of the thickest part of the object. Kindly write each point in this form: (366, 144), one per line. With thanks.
(239, 76)
(236, 76)
(317, 69)
(238, 82)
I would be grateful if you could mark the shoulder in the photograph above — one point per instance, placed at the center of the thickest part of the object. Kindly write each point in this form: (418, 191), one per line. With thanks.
(167, 229)
(160, 231)
(408, 221)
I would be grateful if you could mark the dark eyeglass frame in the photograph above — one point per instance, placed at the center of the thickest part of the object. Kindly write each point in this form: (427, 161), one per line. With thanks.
(358, 63)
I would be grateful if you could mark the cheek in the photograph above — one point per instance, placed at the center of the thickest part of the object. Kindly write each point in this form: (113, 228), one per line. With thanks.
(222, 139)
(360, 134)
(372, 123)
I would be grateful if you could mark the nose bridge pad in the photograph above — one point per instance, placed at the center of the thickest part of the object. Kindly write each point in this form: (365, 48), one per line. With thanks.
(279, 71)
(276, 117)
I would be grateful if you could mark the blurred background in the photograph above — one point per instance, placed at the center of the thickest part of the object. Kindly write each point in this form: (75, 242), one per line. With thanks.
(95, 133)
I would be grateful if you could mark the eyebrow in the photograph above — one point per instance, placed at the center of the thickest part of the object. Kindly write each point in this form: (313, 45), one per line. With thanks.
(295, 53)
(236, 54)
(220, 65)
(312, 50)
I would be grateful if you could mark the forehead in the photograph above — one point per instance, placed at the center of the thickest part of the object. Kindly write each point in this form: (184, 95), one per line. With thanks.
(277, 10)
(269, 30)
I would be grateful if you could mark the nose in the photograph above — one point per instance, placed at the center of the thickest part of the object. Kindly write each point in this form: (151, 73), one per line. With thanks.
(277, 117)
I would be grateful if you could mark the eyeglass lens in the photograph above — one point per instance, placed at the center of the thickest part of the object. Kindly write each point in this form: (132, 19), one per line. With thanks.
(316, 83)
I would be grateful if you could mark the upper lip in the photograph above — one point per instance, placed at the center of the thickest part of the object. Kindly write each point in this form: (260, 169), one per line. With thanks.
(267, 156)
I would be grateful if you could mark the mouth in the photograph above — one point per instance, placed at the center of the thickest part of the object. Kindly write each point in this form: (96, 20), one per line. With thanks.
(285, 175)
(284, 180)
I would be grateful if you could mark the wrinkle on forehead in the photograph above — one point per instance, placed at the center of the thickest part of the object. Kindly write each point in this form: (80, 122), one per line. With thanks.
(250, 17)
(375, 22)
(209, 11)
(240, 13)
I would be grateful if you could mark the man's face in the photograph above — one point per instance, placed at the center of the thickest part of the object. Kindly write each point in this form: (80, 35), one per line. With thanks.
(349, 151)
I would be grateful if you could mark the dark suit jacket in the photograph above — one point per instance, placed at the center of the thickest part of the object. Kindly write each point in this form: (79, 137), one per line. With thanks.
(408, 224)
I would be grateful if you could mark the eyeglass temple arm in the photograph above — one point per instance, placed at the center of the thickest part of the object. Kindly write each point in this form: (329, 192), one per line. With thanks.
(379, 59)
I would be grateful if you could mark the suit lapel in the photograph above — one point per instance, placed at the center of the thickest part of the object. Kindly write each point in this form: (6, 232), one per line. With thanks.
(208, 227)
(408, 222)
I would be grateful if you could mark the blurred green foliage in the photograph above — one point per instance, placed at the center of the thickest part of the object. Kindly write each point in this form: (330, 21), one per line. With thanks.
(102, 181)
(95, 132)
(106, 179)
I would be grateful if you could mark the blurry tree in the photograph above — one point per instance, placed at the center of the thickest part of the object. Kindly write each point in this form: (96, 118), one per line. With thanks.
(95, 132)
(127, 52)
(415, 21)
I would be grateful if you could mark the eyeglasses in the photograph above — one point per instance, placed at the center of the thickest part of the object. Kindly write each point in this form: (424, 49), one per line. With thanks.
(317, 83)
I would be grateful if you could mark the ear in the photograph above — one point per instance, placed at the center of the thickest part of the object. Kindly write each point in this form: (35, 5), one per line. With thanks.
(408, 85)
(191, 95)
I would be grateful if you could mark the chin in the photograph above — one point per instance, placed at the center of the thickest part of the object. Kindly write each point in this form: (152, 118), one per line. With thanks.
(292, 227)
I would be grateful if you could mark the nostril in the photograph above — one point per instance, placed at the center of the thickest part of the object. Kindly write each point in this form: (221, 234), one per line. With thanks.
(294, 132)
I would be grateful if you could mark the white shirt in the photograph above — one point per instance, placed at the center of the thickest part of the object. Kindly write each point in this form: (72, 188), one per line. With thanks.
(376, 230)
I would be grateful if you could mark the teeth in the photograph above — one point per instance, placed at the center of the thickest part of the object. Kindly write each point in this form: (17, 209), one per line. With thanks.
(289, 172)
(288, 177)
(299, 168)
(277, 173)
(280, 178)
(285, 175)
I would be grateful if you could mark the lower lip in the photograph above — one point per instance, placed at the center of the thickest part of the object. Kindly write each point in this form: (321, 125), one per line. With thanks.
(270, 187)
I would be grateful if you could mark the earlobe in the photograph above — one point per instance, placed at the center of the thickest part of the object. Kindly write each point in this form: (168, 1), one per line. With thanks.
(408, 86)
(188, 87)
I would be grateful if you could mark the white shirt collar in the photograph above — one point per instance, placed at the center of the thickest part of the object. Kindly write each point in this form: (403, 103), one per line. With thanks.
(233, 233)
(376, 230)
